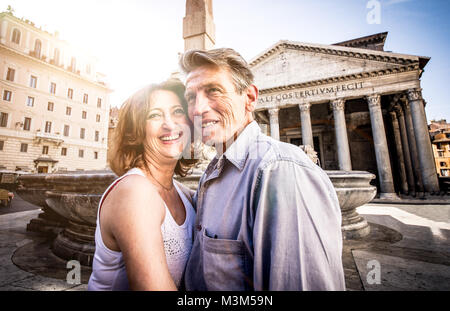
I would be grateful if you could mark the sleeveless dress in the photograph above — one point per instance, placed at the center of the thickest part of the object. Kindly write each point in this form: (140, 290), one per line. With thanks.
(108, 267)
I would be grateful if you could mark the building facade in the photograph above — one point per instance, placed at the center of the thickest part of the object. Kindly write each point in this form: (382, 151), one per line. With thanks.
(361, 108)
(54, 105)
(440, 139)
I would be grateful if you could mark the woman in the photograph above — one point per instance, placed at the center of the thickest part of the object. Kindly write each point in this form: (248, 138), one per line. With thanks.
(145, 218)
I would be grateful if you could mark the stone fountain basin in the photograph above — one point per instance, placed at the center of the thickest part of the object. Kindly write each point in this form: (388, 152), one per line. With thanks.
(77, 207)
(353, 188)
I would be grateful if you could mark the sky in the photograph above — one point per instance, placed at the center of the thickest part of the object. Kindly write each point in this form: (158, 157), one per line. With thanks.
(137, 41)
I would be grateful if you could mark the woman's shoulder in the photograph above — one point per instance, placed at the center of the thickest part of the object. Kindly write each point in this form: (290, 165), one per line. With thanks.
(188, 192)
(135, 191)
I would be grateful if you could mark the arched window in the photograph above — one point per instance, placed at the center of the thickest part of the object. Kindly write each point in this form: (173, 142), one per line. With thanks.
(37, 48)
(73, 64)
(56, 57)
(16, 36)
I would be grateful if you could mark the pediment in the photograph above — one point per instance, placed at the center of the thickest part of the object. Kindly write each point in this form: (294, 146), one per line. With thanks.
(288, 63)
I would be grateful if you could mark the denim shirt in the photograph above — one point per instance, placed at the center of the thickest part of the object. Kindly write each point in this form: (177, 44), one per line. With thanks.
(268, 218)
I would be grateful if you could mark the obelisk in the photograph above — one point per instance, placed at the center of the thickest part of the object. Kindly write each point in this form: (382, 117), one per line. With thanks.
(199, 31)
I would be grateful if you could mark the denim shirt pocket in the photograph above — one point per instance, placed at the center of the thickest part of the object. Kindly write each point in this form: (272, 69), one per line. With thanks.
(225, 265)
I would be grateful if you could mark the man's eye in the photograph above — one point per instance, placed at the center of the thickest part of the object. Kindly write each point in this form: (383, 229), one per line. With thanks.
(213, 90)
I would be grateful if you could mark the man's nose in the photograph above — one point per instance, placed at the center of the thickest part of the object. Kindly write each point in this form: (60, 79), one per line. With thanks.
(201, 104)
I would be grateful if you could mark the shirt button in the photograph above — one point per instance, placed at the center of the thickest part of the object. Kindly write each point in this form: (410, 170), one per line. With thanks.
(199, 227)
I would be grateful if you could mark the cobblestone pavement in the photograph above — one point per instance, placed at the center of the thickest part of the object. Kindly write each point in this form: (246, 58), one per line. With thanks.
(408, 244)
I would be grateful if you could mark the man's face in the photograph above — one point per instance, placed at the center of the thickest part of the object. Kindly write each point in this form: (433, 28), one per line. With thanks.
(214, 106)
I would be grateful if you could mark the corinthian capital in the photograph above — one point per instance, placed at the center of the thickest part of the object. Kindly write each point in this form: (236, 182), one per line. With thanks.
(273, 113)
(338, 104)
(374, 100)
(414, 94)
(304, 107)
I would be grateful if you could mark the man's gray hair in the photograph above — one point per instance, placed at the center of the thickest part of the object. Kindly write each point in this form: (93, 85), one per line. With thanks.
(224, 58)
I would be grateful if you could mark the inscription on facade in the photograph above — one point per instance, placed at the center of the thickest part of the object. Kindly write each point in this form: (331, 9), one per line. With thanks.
(311, 92)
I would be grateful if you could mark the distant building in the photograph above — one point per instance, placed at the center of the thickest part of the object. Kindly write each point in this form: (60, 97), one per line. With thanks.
(440, 139)
(54, 105)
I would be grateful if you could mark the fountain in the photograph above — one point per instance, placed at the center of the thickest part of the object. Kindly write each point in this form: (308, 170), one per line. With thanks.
(74, 197)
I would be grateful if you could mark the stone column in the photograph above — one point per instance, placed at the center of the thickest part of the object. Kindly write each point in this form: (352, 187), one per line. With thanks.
(425, 151)
(340, 126)
(400, 156)
(274, 124)
(305, 117)
(381, 148)
(406, 151)
(413, 147)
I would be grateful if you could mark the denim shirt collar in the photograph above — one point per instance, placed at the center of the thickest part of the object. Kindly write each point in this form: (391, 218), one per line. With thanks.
(238, 152)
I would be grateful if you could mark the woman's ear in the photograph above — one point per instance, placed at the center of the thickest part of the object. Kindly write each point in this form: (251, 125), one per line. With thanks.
(252, 98)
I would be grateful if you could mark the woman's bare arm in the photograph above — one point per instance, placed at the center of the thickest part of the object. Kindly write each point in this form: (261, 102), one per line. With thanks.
(134, 219)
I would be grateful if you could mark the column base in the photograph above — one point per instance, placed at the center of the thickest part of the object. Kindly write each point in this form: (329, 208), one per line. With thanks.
(389, 196)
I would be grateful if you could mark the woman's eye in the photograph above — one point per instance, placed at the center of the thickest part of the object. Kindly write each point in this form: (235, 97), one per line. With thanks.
(154, 115)
(179, 111)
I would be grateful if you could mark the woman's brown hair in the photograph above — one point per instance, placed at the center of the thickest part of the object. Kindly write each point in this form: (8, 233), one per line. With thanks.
(129, 135)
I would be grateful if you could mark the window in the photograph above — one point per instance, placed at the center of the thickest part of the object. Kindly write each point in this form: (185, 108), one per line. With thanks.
(70, 93)
(80, 153)
(84, 115)
(37, 48)
(82, 133)
(443, 164)
(45, 150)
(23, 147)
(97, 118)
(64, 151)
(68, 111)
(30, 101)
(85, 98)
(96, 135)
(33, 82)
(27, 124)
(66, 130)
(7, 95)
(50, 106)
(53, 88)
(99, 103)
(16, 36)
(3, 119)
(88, 69)
(95, 155)
(48, 127)
(2, 144)
(10, 75)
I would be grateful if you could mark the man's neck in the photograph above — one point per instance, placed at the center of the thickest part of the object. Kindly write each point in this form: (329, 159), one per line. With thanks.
(227, 144)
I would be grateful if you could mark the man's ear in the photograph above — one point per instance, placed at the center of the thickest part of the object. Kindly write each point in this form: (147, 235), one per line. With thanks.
(252, 98)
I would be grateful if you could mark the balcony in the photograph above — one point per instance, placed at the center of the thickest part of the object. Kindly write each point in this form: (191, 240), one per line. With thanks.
(48, 137)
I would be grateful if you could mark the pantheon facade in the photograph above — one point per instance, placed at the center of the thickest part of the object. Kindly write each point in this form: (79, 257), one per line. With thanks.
(360, 107)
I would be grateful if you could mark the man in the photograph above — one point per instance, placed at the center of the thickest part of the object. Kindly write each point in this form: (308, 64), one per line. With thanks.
(268, 218)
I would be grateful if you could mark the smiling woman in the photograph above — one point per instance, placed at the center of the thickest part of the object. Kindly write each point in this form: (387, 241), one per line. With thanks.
(148, 109)
(145, 218)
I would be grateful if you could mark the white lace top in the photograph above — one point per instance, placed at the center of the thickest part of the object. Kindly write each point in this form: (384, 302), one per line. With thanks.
(108, 267)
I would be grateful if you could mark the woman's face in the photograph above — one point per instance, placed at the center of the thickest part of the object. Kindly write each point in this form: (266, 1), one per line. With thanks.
(167, 127)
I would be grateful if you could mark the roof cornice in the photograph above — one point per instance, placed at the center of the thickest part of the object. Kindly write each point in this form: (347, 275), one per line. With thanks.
(73, 75)
(372, 55)
(373, 74)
